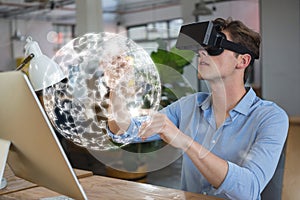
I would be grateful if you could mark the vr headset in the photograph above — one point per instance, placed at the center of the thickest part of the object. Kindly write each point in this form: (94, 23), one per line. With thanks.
(208, 36)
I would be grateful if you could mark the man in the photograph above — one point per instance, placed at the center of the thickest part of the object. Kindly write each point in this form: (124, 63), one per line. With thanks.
(232, 139)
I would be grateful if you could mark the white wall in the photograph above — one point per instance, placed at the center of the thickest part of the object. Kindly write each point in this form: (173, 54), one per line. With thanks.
(12, 49)
(151, 15)
(5, 45)
(88, 16)
(281, 53)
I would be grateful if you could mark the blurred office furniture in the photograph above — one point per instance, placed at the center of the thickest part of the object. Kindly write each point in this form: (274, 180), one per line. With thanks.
(291, 175)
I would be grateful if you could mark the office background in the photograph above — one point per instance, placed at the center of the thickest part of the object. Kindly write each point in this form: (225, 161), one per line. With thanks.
(54, 22)
(276, 73)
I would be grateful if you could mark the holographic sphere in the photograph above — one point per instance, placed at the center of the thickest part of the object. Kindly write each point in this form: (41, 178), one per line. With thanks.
(108, 78)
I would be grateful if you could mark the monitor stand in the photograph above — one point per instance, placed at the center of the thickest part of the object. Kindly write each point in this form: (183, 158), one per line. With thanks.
(4, 149)
(3, 183)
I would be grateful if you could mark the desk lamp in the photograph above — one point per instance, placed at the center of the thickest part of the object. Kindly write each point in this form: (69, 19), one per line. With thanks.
(41, 66)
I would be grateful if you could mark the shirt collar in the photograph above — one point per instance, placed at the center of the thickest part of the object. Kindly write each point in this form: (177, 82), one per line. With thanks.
(246, 102)
(242, 107)
(204, 102)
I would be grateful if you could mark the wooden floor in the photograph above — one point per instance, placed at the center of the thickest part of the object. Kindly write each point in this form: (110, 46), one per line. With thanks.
(291, 178)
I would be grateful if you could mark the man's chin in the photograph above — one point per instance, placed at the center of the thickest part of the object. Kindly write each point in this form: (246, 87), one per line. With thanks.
(200, 77)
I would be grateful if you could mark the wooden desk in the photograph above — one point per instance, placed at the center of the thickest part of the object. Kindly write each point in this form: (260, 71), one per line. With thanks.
(15, 184)
(99, 187)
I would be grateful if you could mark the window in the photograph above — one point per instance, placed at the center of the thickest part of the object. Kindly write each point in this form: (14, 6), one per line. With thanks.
(148, 35)
(62, 34)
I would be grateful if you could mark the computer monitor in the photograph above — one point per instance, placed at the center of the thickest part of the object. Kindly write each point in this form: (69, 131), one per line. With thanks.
(35, 153)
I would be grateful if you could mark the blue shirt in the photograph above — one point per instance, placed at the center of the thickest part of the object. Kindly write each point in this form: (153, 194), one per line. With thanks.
(250, 140)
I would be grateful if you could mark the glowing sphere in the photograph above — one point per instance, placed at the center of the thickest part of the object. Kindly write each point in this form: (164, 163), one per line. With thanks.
(108, 77)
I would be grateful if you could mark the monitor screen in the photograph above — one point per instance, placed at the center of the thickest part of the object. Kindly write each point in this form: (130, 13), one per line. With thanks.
(35, 152)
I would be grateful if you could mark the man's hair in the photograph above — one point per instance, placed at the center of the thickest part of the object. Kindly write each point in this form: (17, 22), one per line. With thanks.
(243, 35)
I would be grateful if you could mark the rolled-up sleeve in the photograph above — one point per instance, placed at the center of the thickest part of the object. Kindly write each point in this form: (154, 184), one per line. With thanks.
(240, 183)
(131, 134)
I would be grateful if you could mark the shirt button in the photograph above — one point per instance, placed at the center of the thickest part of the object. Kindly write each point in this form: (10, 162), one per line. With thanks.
(214, 141)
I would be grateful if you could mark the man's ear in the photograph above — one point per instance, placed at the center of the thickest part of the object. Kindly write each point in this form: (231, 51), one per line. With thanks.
(243, 60)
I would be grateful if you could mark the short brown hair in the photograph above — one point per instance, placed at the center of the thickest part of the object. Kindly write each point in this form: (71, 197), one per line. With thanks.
(243, 35)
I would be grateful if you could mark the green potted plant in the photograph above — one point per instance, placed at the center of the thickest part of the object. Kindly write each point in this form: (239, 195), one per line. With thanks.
(170, 65)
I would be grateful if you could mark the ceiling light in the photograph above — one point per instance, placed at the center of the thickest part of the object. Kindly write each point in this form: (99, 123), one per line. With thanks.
(201, 9)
